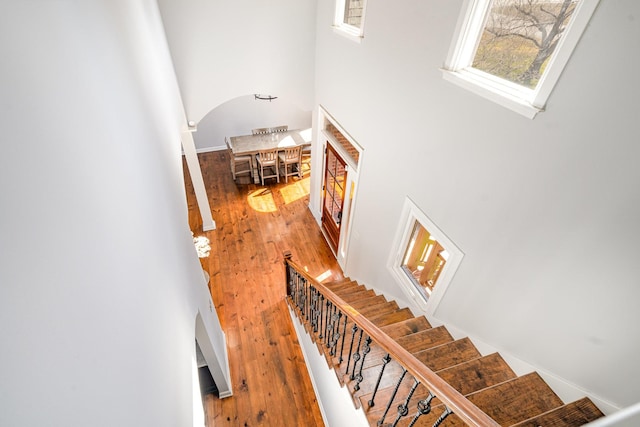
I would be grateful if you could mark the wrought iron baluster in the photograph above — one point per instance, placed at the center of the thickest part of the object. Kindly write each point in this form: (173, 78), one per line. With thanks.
(327, 333)
(336, 334)
(321, 315)
(332, 325)
(442, 417)
(356, 357)
(299, 291)
(327, 319)
(424, 407)
(344, 336)
(403, 408)
(294, 288)
(314, 310)
(385, 361)
(303, 299)
(393, 396)
(354, 329)
(318, 311)
(308, 302)
(365, 350)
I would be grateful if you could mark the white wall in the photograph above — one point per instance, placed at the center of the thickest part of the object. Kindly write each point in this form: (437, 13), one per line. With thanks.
(238, 116)
(546, 211)
(336, 403)
(100, 283)
(224, 49)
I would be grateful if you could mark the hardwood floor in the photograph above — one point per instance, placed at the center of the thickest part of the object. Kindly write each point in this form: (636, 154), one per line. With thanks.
(255, 225)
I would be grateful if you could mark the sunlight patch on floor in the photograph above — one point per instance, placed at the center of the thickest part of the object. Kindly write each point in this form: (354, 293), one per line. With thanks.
(324, 276)
(261, 200)
(295, 190)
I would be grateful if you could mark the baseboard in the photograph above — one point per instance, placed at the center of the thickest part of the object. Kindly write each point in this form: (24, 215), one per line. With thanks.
(210, 149)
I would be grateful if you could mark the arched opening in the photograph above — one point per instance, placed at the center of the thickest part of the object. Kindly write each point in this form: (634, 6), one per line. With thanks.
(243, 113)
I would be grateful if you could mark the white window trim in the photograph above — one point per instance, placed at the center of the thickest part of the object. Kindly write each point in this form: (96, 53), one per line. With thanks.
(349, 31)
(411, 213)
(524, 101)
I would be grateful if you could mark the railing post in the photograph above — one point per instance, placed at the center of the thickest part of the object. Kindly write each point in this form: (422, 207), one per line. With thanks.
(287, 271)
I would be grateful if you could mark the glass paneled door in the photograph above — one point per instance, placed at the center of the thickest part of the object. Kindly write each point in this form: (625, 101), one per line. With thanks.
(335, 178)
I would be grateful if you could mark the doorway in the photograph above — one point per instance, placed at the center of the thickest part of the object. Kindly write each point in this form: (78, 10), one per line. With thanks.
(335, 179)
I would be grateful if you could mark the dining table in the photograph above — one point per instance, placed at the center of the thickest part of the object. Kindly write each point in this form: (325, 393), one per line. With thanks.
(250, 145)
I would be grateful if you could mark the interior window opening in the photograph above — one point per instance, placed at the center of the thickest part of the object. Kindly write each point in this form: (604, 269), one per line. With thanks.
(424, 259)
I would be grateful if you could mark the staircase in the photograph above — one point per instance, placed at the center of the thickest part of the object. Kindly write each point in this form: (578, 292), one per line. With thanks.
(403, 372)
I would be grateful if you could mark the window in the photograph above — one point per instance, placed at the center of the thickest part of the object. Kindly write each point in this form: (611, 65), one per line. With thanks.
(513, 51)
(349, 18)
(423, 260)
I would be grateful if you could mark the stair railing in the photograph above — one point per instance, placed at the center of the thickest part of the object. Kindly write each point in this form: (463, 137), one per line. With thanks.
(327, 315)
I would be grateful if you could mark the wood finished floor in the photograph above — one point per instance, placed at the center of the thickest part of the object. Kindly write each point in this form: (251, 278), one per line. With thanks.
(255, 225)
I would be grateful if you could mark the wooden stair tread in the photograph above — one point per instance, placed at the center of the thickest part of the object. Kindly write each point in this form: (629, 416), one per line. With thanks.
(406, 327)
(516, 400)
(388, 319)
(477, 374)
(356, 295)
(340, 283)
(573, 414)
(367, 302)
(425, 339)
(379, 309)
(449, 354)
(348, 287)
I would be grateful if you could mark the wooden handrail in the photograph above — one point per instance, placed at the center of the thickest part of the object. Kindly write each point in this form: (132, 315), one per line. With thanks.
(452, 398)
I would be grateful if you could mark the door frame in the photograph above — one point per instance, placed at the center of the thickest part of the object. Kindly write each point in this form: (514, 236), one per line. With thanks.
(321, 139)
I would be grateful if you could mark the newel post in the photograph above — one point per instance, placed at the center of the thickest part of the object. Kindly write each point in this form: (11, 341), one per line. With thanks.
(287, 271)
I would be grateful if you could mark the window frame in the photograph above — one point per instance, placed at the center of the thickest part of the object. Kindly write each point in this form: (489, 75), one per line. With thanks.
(525, 101)
(347, 30)
(410, 214)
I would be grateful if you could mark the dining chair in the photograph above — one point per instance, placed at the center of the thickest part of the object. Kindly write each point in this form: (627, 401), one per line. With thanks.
(267, 161)
(240, 165)
(290, 160)
(279, 129)
(305, 159)
(260, 131)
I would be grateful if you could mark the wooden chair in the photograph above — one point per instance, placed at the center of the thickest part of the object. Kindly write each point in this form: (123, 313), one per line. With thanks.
(260, 131)
(305, 160)
(290, 160)
(268, 162)
(279, 129)
(240, 165)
